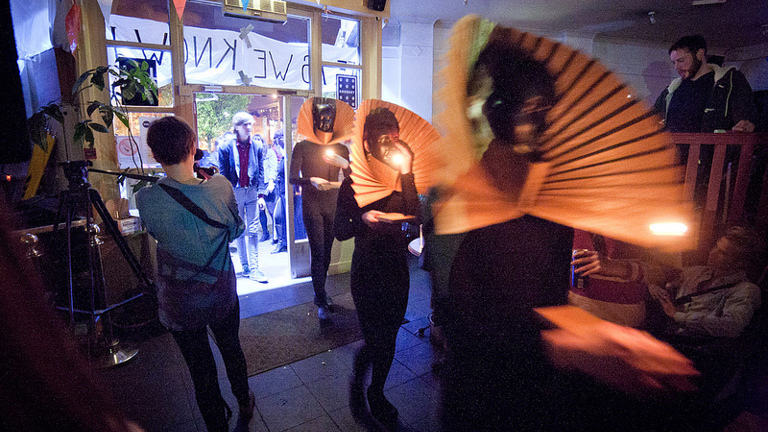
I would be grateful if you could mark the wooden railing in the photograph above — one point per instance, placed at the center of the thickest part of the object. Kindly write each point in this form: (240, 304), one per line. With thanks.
(727, 209)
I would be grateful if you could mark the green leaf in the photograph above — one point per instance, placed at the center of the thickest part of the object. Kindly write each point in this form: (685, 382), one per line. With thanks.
(107, 115)
(89, 137)
(138, 186)
(93, 107)
(123, 118)
(98, 127)
(98, 80)
(80, 81)
(80, 129)
(54, 111)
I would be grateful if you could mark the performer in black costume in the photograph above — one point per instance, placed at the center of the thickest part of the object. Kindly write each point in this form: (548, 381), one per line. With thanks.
(315, 166)
(379, 278)
(506, 372)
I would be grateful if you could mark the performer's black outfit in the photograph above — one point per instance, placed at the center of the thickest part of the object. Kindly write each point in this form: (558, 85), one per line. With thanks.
(379, 277)
(319, 207)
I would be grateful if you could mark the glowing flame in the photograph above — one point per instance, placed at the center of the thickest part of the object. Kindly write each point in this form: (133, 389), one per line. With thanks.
(397, 159)
(330, 153)
(669, 228)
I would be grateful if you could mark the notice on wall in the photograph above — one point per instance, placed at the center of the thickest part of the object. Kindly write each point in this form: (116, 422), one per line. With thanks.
(133, 152)
(346, 89)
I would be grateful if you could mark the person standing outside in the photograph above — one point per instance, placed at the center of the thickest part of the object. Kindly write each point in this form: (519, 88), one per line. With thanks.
(193, 221)
(270, 160)
(240, 160)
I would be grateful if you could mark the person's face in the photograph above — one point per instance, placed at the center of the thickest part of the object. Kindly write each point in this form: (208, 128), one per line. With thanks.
(724, 256)
(324, 117)
(243, 131)
(687, 64)
(383, 148)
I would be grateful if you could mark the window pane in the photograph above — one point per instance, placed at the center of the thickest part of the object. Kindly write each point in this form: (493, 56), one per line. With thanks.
(139, 21)
(159, 62)
(341, 40)
(269, 54)
(132, 149)
(342, 84)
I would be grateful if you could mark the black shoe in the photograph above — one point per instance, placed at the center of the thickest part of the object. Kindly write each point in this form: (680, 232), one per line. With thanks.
(381, 409)
(246, 270)
(280, 249)
(264, 238)
(324, 315)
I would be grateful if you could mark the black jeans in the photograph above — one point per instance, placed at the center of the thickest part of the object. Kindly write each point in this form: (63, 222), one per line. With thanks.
(196, 350)
(318, 212)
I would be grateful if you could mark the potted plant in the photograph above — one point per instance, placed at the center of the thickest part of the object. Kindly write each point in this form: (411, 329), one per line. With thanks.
(132, 79)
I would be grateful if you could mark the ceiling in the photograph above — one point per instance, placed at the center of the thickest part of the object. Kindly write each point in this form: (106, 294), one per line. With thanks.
(733, 24)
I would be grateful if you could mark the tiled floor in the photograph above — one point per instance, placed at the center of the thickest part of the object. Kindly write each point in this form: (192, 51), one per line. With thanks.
(309, 395)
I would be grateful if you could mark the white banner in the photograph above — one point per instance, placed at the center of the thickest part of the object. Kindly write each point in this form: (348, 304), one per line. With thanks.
(222, 57)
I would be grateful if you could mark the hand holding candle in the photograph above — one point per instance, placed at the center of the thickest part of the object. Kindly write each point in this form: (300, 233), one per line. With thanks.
(404, 159)
(332, 158)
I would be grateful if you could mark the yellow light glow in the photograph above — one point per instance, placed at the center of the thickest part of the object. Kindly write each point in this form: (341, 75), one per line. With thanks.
(397, 159)
(330, 153)
(669, 228)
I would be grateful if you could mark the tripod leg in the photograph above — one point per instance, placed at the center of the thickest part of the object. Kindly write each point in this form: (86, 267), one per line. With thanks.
(117, 236)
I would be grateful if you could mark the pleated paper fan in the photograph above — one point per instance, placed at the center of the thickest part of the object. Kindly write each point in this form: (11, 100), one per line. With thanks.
(371, 179)
(604, 164)
(342, 126)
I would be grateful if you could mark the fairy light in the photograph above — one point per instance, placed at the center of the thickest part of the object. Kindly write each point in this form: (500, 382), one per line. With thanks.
(669, 228)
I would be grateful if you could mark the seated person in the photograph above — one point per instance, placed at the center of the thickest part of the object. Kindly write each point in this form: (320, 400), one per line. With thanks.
(612, 299)
(705, 308)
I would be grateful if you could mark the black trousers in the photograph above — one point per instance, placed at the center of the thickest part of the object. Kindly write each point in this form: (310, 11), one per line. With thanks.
(379, 286)
(196, 350)
(319, 211)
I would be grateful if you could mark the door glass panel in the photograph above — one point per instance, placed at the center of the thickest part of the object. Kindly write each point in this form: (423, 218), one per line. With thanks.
(341, 40)
(299, 230)
(273, 55)
(143, 21)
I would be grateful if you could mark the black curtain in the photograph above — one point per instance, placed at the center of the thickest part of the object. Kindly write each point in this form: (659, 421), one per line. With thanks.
(15, 145)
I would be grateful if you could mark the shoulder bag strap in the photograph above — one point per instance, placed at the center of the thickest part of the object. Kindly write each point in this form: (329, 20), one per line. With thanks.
(191, 206)
(687, 298)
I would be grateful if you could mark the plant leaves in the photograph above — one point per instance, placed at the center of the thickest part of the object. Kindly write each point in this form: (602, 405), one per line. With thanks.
(123, 118)
(80, 129)
(80, 81)
(107, 115)
(89, 137)
(98, 127)
(93, 107)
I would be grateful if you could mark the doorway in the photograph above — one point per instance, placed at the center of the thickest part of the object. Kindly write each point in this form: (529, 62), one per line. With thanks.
(283, 258)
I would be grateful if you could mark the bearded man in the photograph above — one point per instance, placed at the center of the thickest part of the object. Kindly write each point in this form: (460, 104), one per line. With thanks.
(705, 97)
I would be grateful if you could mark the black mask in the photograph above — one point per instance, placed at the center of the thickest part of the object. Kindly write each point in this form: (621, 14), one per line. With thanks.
(324, 114)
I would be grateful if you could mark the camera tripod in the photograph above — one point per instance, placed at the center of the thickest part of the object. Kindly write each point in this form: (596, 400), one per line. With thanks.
(81, 199)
